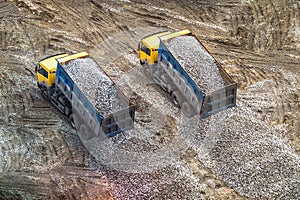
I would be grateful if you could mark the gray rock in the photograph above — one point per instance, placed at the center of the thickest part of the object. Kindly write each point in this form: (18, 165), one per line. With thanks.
(95, 84)
(197, 62)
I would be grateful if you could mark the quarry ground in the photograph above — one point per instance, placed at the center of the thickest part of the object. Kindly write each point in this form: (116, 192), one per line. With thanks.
(256, 41)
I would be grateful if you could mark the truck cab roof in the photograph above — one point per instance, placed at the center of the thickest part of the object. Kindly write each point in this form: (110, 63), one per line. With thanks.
(50, 63)
(170, 36)
(66, 59)
(152, 41)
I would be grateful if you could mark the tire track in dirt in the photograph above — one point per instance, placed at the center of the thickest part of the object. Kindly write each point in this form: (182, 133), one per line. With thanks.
(7, 9)
(66, 182)
(13, 103)
(273, 23)
(3, 35)
(21, 182)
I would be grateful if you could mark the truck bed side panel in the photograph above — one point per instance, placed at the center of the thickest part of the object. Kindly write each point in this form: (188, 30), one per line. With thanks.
(166, 56)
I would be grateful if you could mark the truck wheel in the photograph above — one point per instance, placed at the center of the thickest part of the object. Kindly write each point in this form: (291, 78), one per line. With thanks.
(188, 110)
(45, 93)
(176, 99)
(142, 62)
(84, 132)
(72, 121)
(77, 121)
(67, 110)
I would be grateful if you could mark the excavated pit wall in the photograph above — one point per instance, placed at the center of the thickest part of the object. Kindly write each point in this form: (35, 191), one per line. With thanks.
(95, 84)
(197, 62)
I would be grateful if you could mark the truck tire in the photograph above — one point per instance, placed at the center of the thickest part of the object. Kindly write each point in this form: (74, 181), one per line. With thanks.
(45, 93)
(67, 110)
(188, 110)
(176, 99)
(72, 121)
(142, 62)
(77, 120)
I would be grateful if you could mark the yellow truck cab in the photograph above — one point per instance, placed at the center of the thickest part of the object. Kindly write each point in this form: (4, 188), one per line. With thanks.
(148, 48)
(46, 71)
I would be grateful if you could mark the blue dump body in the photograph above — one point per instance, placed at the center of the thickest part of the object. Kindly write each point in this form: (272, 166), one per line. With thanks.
(208, 103)
(88, 121)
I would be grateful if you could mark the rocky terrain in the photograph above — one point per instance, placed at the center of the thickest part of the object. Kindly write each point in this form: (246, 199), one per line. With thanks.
(251, 151)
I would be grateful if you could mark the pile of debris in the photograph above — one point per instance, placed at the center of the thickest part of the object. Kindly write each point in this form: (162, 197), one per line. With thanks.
(95, 85)
(197, 62)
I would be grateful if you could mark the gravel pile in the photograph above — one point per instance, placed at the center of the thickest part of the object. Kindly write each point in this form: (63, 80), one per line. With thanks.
(172, 182)
(95, 84)
(250, 155)
(246, 153)
(197, 62)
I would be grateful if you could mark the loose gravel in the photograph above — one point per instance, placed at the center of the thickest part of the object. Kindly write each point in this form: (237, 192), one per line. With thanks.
(94, 84)
(254, 160)
(172, 182)
(248, 154)
(245, 152)
(197, 62)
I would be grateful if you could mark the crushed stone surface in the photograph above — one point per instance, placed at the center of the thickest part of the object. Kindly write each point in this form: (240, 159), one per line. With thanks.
(197, 62)
(246, 153)
(254, 159)
(95, 84)
(236, 144)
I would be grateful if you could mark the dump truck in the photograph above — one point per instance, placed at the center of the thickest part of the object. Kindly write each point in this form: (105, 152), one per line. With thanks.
(183, 67)
(65, 81)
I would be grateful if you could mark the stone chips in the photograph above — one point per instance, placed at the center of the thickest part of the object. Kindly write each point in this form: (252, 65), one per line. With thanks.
(94, 84)
(247, 153)
(197, 62)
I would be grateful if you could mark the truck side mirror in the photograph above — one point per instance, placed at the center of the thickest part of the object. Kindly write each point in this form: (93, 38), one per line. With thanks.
(36, 68)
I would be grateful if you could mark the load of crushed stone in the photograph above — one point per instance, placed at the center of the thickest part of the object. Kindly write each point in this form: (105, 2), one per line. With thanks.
(94, 84)
(197, 62)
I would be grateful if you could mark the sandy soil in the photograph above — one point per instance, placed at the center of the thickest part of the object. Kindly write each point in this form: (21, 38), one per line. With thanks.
(258, 43)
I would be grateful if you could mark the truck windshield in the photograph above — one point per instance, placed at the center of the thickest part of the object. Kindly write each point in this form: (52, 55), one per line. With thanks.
(145, 49)
(43, 72)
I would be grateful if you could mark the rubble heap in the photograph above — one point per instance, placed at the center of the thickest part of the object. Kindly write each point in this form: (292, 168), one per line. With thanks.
(197, 62)
(95, 84)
